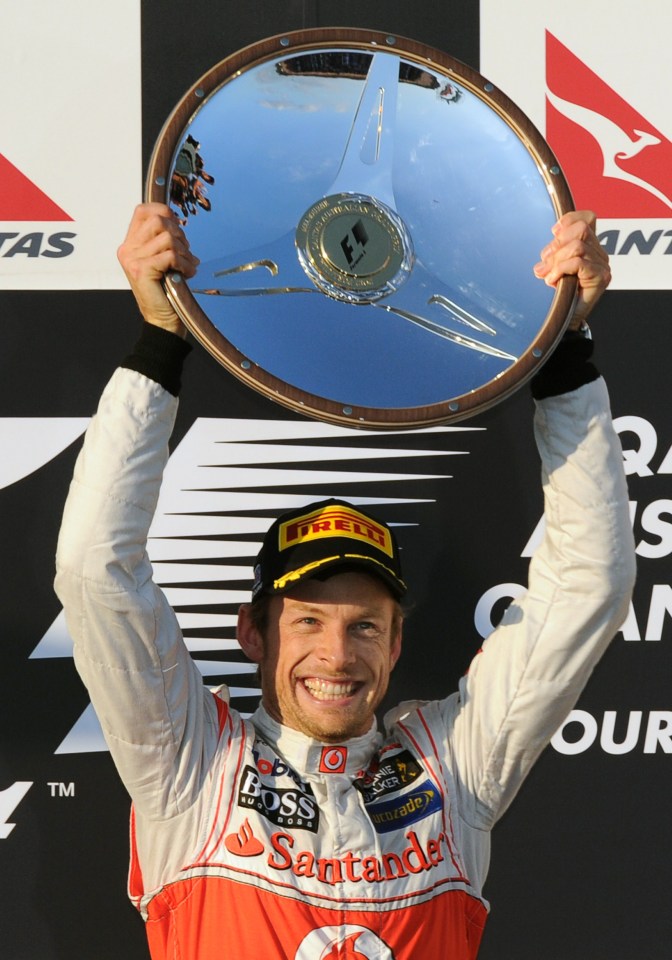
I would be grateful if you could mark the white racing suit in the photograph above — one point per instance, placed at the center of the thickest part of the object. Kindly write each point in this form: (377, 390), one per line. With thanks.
(250, 840)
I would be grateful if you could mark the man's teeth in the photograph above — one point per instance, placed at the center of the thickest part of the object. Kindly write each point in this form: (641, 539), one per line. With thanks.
(326, 690)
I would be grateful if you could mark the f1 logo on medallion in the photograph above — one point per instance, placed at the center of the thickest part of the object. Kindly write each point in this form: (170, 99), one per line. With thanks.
(349, 942)
(333, 759)
(617, 163)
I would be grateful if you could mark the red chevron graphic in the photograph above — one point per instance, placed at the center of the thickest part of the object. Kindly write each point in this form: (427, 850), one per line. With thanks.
(20, 199)
(616, 162)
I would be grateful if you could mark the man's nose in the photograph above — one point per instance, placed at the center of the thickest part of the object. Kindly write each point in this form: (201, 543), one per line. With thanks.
(337, 647)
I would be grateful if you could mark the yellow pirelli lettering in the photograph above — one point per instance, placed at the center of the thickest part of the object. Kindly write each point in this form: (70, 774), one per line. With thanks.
(334, 521)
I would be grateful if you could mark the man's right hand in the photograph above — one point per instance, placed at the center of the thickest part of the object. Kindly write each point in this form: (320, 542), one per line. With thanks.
(155, 244)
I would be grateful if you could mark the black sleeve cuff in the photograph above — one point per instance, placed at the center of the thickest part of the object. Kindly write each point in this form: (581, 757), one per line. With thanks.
(567, 369)
(159, 355)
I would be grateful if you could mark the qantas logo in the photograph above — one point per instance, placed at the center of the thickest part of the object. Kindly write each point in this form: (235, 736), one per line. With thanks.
(21, 199)
(616, 162)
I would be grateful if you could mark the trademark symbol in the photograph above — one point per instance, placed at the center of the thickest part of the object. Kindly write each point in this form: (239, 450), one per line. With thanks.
(59, 789)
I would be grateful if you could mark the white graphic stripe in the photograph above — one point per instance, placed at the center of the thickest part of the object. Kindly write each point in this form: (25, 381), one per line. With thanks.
(197, 572)
(247, 454)
(30, 442)
(173, 549)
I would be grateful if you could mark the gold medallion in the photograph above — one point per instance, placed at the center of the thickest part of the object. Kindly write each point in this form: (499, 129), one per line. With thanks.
(354, 247)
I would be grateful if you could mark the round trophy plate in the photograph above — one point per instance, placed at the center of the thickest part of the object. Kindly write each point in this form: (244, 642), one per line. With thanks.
(367, 212)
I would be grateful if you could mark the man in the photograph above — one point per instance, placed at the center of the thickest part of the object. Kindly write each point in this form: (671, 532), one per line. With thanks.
(303, 833)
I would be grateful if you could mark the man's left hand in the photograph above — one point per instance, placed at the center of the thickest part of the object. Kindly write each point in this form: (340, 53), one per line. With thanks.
(575, 250)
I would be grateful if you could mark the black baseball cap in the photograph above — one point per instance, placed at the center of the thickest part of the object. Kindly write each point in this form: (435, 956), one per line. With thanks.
(321, 537)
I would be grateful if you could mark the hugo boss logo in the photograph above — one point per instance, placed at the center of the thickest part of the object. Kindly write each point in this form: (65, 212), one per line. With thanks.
(333, 759)
(291, 807)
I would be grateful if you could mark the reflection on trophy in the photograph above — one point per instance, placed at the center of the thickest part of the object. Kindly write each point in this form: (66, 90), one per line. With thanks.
(373, 212)
(187, 183)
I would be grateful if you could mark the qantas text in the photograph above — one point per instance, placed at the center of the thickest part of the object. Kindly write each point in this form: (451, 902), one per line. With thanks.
(34, 245)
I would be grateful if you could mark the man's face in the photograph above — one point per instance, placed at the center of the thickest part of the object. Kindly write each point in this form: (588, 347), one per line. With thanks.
(327, 655)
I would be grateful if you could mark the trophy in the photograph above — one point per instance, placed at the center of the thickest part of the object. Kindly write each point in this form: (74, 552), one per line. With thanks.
(367, 211)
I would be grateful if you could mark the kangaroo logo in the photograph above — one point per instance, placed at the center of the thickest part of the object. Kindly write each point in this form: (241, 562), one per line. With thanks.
(616, 162)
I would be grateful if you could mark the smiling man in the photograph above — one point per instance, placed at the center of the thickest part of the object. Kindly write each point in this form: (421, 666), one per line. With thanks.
(325, 620)
(304, 832)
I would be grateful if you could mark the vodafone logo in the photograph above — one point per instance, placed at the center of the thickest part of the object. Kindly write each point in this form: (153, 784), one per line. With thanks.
(333, 759)
(616, 162)
(349, 942)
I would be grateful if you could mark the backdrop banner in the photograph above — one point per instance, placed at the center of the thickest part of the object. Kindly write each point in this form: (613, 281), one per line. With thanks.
(592, 80)
(70, 128)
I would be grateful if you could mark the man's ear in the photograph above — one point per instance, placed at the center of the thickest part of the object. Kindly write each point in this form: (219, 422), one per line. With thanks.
(395, 652)
(248, 635)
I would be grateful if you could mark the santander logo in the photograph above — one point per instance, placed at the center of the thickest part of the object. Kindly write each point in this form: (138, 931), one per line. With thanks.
(21, 199)
(616, 162)
(244, 843)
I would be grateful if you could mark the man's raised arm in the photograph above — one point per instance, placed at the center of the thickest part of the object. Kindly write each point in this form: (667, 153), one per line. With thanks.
(533, 667)
(159, 721)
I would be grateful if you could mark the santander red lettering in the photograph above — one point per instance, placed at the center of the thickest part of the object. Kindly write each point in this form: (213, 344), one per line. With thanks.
(414, 858)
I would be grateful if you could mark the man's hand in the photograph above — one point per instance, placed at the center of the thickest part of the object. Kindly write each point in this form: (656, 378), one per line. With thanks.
(576, 250)
(155, 244)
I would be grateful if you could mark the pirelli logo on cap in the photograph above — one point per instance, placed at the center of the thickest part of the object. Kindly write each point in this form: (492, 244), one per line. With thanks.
(334, 521)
